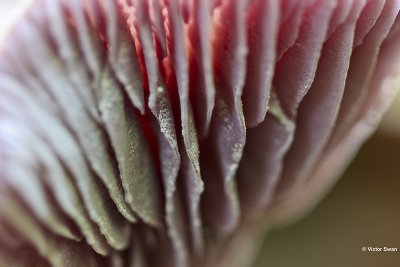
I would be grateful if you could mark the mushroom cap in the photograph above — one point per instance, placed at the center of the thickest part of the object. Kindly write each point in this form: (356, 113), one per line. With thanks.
(172, 133)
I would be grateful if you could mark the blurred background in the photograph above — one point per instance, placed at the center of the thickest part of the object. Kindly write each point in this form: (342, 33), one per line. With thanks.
(362, 210)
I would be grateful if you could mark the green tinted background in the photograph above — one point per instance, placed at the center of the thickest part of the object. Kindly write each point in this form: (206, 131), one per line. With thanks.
(362, 210)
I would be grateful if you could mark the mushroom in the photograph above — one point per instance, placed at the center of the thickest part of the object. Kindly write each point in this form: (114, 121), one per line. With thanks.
(172, 133)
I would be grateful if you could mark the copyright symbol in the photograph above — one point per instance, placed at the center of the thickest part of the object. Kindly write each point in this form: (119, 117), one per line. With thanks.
(364, 249)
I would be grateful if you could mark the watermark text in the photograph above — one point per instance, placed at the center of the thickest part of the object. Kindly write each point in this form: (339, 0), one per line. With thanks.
(379, 249)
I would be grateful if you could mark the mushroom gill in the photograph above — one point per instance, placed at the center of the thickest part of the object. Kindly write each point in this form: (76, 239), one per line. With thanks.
(172, 132)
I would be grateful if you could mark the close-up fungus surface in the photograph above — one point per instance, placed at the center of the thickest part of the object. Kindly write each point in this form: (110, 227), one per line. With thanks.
(171, 133)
